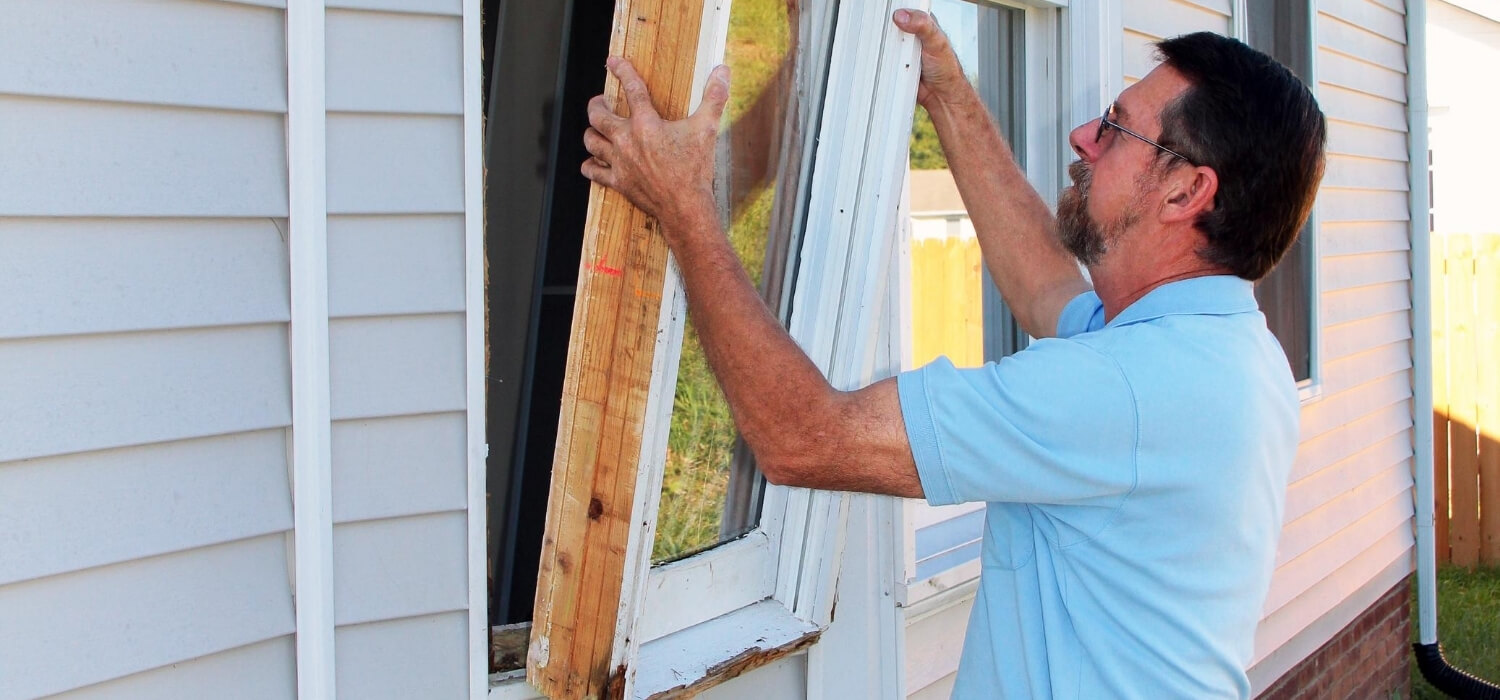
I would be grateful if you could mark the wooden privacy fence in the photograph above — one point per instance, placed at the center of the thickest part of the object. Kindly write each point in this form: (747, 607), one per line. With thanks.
(1466, 396)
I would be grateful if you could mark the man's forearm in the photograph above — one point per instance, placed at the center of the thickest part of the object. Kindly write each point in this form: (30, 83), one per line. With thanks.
(1013, 224)
(775, 392)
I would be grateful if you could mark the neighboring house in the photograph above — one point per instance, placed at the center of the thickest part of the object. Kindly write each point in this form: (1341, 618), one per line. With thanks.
(187, 185)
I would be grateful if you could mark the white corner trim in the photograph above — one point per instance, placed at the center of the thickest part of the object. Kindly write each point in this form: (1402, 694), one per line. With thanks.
(476, 449)
(312, 473)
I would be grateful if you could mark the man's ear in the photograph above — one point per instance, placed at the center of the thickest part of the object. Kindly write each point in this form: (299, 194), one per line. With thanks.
(1189, 192)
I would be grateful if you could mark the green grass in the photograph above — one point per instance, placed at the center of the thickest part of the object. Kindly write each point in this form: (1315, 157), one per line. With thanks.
(701, 442)
(1468, 625)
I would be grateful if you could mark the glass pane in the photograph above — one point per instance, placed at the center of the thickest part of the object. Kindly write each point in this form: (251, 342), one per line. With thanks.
(706, 466)
(956, 310)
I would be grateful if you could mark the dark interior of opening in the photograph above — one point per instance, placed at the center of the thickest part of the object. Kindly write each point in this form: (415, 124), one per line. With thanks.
(544, 59)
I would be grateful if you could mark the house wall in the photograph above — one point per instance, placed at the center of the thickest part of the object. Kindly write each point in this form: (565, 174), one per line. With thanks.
(145, 489)
(1347, 537)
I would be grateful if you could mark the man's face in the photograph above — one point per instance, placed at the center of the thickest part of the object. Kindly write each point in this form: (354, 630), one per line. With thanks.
(1115, 175)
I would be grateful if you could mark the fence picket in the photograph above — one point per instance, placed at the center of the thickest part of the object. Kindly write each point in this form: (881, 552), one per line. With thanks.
(1440, 396)
(1487, 321)
(1462, 401)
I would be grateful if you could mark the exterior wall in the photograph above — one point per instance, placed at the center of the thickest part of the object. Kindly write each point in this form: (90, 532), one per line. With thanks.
(144, 489)
(1348, 534)
(396, 343)
(1368, 658)
(1458, 40)
(145, 486)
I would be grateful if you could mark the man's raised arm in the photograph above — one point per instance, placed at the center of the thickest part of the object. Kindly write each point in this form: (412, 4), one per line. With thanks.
(1036, 276)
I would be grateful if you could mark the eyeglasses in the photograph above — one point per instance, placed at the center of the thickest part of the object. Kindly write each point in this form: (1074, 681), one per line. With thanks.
(1107, 122)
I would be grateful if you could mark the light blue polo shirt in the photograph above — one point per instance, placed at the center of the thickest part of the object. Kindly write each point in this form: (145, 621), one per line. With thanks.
(1135, 473)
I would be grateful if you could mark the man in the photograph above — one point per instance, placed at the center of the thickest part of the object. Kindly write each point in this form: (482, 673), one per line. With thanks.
(1134, 459)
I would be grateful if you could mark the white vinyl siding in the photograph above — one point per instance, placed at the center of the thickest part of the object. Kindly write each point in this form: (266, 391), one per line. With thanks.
(397, 348)
(1149, 21)
(1348, 535)
(144, 484)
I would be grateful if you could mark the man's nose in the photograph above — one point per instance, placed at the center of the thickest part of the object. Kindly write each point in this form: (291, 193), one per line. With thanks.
(1083, 142)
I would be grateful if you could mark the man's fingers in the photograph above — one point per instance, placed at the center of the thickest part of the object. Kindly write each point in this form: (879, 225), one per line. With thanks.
(715, 96)
(636, 94)
(598, 146)
(603, 118)
(597, 172)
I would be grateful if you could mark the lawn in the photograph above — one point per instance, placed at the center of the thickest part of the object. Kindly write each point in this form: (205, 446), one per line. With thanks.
(1468, 625)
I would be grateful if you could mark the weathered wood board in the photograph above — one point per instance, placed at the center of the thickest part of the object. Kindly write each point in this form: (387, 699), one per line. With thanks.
(605, 389)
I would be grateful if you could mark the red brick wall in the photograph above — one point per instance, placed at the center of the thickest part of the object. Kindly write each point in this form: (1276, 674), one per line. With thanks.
(1367, 659)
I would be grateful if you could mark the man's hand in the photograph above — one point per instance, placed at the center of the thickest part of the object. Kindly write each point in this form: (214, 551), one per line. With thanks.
(943, 78)
(664, 167)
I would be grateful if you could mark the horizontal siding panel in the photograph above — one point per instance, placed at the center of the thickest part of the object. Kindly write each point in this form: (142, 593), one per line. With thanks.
(1314, 599)
(395, 164)
(1354, 139)
(1350, 271)
(75, 630)
(941, 689)
(1372, 16)
(79, 511)
(1138, 55)
(1345, 105)
(1354, 172)
(390, 467)
(1334, 552)
(1169, 18)
(396, 365)
(258, 3)
(384, 265)
(1336, 409)
(1363, 237)
(934, 643)
(260, 671)
(83, 393)
(1343, 205)
(1357, 336)
(1351, 371)
(1352, 454)
(400, 567)
(1344, 71)
(1364, 302)
(954, 532)
(1360, 42)
(71, 158)
(107, 275)
(924, 515)
(384, 62)
(1322, 523)
(430, 7)
(174, 52)
(421, 657)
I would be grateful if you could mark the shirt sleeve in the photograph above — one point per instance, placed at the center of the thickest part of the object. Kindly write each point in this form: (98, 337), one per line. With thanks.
(1053, 424)
(1084, 314)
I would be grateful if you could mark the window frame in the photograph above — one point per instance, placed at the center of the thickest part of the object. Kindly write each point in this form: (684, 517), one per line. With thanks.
(780, 577)
(1047, 121)
(1310, 389)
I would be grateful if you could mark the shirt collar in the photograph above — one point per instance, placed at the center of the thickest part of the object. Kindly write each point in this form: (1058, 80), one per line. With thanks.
(1214, 295)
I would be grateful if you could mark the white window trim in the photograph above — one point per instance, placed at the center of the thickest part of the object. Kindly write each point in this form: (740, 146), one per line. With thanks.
(1309, 390)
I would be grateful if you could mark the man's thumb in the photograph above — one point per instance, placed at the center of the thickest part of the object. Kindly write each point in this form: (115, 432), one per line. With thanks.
(715, 94)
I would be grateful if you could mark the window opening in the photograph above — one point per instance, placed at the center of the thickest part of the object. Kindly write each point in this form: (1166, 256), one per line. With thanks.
(548, 62)
(1282, 30)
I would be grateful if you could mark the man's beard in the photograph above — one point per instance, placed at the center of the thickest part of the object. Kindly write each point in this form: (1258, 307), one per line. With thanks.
(1077, 231)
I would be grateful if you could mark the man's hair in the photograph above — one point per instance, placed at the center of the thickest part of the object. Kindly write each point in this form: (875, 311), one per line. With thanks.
(1259, 127)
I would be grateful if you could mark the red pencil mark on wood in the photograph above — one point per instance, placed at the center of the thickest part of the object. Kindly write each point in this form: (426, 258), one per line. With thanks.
(602, 266)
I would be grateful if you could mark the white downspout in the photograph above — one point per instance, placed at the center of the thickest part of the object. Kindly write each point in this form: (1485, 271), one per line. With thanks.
(1421, 303)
